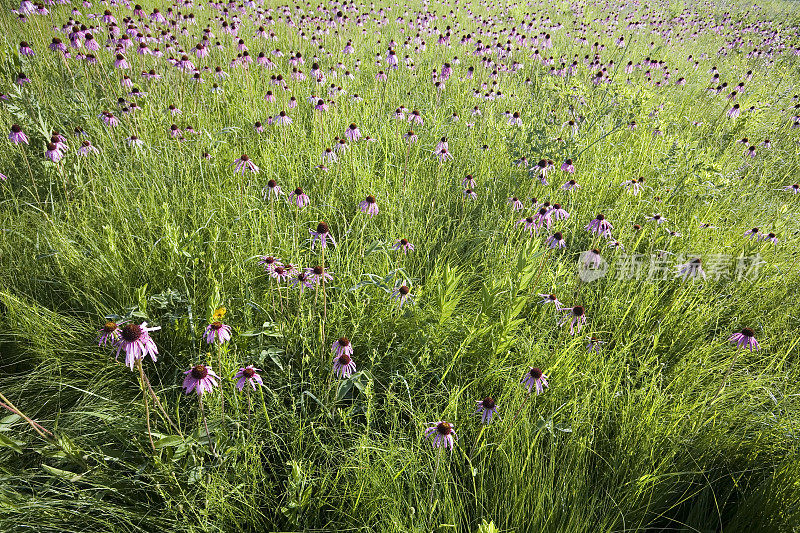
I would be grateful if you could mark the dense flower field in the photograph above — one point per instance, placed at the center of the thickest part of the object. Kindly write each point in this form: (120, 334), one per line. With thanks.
(439, 266)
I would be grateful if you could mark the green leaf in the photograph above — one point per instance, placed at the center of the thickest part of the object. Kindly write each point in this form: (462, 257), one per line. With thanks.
(170, 441)
(8, 442)
(63, 474)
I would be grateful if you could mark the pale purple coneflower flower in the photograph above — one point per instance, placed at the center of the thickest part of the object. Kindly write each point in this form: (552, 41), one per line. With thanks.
(658, 219)
(594, 345)
(568, 167)
(109, 333)
(550, 299)
(282, 119)
(343, 366)
(322, 234)
(411, 137)
(299, 198)
(272, 191)
(487, 408)
(87, 148)
(771, 237)
(243, 163)
(529, 223)
(217, 332)
(535, 378)
(471, 194)
(576, 316)
(515, 203)
(442, 434)
(401, 294)
(269, 263)
(248, 374)
(135, 340)
(53, 153)
(745, 339)
(353, 133)
(301, 281)
(600, 226)
(17, 136)
(369, 205)
(468, 182)
(201, 379)
(556, 241)
(318, 274)
(558, 213)
(592, 259)
(342, 346)
(570, 185)
(752, 233)
(443, 155)
(542, 218)
(692, 269)
(404, 245)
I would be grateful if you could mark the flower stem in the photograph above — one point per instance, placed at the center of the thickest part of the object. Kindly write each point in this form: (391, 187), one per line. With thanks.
(205, 424)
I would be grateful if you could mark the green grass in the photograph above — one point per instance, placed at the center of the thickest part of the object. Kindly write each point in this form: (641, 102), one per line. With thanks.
(650, 434)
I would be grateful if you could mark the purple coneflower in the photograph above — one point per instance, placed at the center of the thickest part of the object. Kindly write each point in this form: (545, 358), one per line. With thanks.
(369, 205)
(794, 189)
(269, 263)
(692, 269)
(248, 374)
(745, 339)
(217, 332)
(282, 119)
(771, 237)
(487, 408)
(556, 241)
(404, 245)
(322, 234)
(600, 226)
(443, 434)
(471, 194)
(515, 204)
(272, 191)
(568, 167)
(576, 316)
(468, 182)
(401, 294)
(535, 378)
(550, 299)
(300, 198)
(342, 346)
(353, 132)
(557, 212)
(108, 334)
(570, 185)
(17, 136)
(135, 340)
(752, 233)
(343, 366)
(318, 274)
(244, 162)
(200, 378)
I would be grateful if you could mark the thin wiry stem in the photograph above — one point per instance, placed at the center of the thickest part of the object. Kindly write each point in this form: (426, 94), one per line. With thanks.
(205, 424)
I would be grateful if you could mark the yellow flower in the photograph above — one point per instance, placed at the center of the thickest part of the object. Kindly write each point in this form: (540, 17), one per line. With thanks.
(218, 314)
